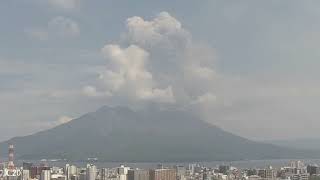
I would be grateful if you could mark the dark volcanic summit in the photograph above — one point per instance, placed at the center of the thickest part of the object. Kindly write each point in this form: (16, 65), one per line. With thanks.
(153, 134)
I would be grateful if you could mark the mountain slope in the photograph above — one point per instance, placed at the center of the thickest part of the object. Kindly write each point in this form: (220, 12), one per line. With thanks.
(120, 134)
(303, 143)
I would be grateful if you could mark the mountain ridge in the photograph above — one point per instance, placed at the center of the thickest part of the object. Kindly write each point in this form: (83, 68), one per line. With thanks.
(300, 143)
(151, 134)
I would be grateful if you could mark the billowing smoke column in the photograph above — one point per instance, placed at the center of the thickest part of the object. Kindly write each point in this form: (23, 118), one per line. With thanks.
(11, 157)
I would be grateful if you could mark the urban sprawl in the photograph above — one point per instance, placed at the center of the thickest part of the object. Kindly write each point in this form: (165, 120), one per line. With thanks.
(295, 170)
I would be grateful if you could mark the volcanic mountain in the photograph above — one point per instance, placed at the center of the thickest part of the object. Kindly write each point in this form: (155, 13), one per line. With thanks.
(151, 134)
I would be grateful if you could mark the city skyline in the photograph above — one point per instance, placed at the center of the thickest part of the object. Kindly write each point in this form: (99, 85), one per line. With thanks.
(288, 170)
(72, 170)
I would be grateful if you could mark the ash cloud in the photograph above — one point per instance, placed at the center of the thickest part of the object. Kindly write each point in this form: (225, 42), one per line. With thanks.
(156, 60)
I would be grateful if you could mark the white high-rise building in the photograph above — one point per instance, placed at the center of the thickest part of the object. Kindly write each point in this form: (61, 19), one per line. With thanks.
(296, 164)
(122, 177)
(45, 175)
(25, 174)
(191, 168)
(104, 174)
(123, 172)
(70, 170)
(91, 172)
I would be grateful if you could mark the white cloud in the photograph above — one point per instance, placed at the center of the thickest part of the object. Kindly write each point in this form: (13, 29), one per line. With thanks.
(163, 29)
(64, 119)
(176, 60)
(65, 4)
(127, 74)
(206, 98)
(127, 65)
(201, 71)
(158, 95)
(59, 26)
(92, 91)
(156, 60)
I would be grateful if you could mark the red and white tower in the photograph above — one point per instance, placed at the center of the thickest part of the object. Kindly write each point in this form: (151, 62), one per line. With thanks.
(11, 157)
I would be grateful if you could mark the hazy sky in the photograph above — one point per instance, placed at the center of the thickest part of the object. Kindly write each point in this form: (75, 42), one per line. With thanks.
(250, 67)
